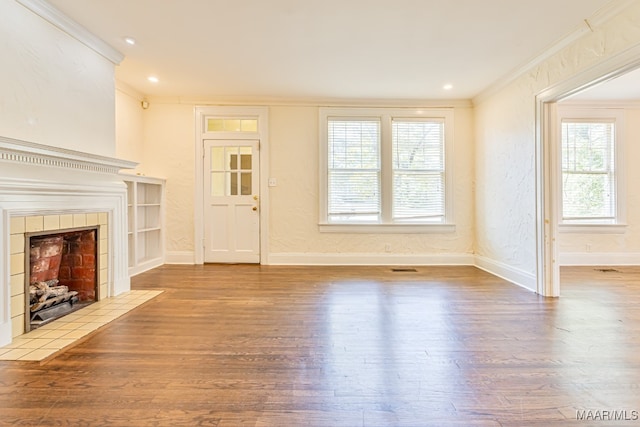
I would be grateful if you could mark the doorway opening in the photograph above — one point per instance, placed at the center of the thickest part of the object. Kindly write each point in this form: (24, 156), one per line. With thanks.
(547, 185)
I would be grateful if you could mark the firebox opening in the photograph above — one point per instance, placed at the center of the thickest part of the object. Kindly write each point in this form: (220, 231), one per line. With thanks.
(61, 274)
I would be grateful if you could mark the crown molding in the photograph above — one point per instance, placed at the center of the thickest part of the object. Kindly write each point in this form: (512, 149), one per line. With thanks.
(129, 90)
(55, 17)
(30, 153)
(597, 19)
(311, 102)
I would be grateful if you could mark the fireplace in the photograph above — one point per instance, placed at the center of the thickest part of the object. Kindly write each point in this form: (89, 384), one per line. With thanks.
(45, 189)
(61, 275)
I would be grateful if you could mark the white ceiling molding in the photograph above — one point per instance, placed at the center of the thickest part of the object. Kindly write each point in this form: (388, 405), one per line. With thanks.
(49, 13)
(600, 17)
(128, 90)
(312, 102)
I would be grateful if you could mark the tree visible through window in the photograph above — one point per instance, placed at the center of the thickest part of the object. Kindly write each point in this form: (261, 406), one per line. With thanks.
(418, 171)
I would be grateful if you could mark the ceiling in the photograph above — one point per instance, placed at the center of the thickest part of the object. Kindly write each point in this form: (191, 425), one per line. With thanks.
(324, 49)
(623, 88)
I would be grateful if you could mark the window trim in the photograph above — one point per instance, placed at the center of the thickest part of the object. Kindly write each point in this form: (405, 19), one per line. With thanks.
(386, 116)
(585, 112)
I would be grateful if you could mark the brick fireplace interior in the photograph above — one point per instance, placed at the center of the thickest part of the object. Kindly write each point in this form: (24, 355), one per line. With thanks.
(62, 274)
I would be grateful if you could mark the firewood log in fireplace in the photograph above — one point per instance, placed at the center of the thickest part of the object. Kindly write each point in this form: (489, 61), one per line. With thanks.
(47, 294)
(38, 289)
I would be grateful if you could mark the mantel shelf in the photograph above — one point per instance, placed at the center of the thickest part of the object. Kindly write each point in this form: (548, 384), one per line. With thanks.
(31, 153)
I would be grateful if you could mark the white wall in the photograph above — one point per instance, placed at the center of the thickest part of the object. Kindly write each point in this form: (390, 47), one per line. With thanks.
(169, 152)
(129, 125)
(620, 248)
(294, 202)
(505, 144)
(54, 90)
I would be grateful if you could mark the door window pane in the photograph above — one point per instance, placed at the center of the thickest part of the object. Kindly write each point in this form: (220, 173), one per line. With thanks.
(217, 184)
(232, 153)
(217, 158)
(233, 184)
(249, 125)
(245, 178)
(232, 125)
(231, 171)
(245, 161)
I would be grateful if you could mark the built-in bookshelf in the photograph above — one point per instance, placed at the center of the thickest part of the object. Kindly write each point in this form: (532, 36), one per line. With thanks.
(145, 213)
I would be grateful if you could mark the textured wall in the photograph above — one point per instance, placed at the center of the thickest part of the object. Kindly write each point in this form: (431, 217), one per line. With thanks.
(294, 202)
(129, 127)
(505, 186)
(53, 89)
(505, 143)
(169, 152)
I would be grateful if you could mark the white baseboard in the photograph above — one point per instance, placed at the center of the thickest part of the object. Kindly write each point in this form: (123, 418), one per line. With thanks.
(514, 275)
(369, 259)
(590, 258)
(180, 257)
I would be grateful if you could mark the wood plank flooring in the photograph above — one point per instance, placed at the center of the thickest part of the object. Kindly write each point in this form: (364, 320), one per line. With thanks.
(242, 345)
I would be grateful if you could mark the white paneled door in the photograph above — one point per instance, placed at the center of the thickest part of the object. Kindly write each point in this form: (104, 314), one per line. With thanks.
(232, 201)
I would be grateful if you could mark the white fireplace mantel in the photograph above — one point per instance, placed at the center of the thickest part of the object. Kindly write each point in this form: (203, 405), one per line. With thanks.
(30, 153)
(41, 180)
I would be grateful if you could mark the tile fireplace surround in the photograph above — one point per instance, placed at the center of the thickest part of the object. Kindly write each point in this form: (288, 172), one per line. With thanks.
(20, 225)
(45, 188)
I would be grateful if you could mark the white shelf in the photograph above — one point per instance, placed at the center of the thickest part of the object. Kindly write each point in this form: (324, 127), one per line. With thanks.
(144, 230)
(145, 198)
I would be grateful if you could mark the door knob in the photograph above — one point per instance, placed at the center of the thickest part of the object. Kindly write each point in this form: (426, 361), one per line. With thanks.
(255, 208)
(255, 197)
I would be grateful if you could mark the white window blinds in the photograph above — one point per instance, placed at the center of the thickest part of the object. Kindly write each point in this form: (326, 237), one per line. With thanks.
(353, 170)
(588, 171)
(418, 171)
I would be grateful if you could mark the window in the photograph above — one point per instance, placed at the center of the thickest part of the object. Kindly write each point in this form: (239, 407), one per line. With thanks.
(382, 167)
(231, 125)
(354, 170)
(418, 171)
(591, 184)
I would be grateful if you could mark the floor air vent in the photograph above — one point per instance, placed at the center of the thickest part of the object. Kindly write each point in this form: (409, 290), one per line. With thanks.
(404, 270)
(607, 270)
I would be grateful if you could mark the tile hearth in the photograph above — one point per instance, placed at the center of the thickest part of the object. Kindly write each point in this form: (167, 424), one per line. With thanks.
(44, 342)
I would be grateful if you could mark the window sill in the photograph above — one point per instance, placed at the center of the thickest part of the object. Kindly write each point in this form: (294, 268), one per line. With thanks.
(593, 228)
(388, 228)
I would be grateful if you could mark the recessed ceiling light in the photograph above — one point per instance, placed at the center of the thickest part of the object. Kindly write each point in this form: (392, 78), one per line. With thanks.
(153, 79)
(130, 41)
(447, 86)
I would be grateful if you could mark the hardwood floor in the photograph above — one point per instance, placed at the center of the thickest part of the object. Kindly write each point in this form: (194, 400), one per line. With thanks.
(241, 345)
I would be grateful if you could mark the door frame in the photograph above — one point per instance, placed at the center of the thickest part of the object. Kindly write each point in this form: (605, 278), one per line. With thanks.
(262, 135)
(547, 205)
